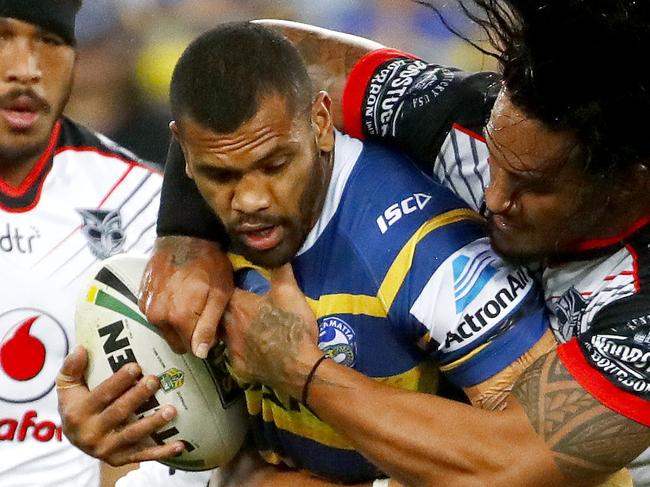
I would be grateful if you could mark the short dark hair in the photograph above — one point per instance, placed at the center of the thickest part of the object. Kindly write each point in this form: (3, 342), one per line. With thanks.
(224, 74)
(578, 66)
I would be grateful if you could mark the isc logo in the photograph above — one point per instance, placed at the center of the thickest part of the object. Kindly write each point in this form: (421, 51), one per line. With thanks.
(395, 212)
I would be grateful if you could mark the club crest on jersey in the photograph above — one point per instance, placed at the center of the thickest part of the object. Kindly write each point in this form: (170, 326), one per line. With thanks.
(568, 313)
(471, 275)
(103, 231)
(337, 340)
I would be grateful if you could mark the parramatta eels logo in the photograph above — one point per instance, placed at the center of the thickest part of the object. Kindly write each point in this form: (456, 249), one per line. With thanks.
(337, 340)
(103, 230)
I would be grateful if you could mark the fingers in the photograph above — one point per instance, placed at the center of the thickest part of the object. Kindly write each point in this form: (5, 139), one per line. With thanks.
(286, 294)
(113, 387)
(71, 374)
(128, 443)
(205, 332)
(158, 312)
(137, 454)
(121, 409)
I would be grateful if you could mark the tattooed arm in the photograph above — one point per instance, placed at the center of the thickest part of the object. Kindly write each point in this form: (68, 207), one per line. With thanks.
(552, 432)
(186, 286)
(328, 55)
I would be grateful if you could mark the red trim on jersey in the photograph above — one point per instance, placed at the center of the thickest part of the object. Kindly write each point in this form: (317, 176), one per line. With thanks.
(469, 132)
(607, 242)
(635, 267)
(117, 183)
(356, 84)
(105, 154)
(622, 273)
(35, 172)
(618, 400)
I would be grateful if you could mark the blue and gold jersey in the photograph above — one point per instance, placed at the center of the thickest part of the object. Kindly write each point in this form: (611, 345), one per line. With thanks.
(402, 280)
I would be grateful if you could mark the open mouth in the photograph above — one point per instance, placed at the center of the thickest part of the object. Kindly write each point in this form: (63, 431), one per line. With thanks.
(262, 238)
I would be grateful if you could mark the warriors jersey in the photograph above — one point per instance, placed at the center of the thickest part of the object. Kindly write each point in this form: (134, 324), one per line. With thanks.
(84, 200)
(598, 297)
(401, 279)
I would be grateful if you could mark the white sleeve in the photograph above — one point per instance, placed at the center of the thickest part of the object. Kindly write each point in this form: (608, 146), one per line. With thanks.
(462, 167)
(152, 474)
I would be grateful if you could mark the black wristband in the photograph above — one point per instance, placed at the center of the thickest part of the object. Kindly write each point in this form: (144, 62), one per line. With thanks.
(310, 378)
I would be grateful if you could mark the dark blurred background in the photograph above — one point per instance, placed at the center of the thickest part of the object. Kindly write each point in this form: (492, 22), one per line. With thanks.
(128, 48)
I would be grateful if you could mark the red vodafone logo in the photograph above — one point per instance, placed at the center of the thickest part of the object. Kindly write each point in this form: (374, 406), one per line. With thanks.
(32, 347)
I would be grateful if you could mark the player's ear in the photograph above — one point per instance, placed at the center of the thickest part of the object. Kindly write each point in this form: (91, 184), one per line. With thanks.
(173, 126)
(321, 117)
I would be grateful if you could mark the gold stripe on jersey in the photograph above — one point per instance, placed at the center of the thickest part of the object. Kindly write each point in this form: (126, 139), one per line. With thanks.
(302, 422)
(402, 264)
(363, 304)
(238, 262)
(353, 304)
(465, 358)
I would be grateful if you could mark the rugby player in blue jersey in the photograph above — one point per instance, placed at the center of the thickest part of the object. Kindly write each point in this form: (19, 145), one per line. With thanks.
(567, 148)
(568, 154)
(397, 269)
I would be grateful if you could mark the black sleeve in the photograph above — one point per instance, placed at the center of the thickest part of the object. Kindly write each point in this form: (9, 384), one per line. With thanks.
(402, 100)
(182, 208)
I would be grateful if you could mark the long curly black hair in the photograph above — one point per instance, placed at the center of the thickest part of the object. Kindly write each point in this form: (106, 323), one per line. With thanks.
(576, 65)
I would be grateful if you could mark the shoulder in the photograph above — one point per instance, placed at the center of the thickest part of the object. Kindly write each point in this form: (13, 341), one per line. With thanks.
(77, 141)
(389, 207)
(611, 357)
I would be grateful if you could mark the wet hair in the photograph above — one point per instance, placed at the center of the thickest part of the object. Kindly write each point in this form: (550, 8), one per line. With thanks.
(223, 75)
(578, 66)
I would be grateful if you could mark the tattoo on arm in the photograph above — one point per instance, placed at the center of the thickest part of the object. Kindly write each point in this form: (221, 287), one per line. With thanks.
(586, 438)
(182, 249)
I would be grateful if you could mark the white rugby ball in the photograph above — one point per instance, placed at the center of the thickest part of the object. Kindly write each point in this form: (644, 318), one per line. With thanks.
(211, 416)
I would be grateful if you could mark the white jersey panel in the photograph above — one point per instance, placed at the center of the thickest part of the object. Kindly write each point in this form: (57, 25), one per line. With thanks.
(92, 204)
(462, 166)
(472, 292)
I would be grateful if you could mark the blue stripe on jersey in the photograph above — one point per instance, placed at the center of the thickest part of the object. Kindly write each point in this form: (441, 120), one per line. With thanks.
(500, 352)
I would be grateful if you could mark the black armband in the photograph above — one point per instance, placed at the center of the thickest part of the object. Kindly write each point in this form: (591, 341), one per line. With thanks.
(183, 211)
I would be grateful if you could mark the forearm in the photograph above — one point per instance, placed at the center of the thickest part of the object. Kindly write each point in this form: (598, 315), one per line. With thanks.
(328, 55)
(249, 470)
(421, 439)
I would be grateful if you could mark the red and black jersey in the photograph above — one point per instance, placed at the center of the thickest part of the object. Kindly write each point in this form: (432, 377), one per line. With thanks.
(599, 299)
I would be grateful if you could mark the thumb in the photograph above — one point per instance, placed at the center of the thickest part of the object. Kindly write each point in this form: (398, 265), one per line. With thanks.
(286, 294)
(72, 373)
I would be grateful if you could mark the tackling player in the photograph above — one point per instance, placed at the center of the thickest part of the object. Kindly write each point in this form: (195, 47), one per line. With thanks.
(566, 145)
(391, 298)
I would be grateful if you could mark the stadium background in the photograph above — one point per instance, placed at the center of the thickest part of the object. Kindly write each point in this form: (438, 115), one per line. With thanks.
(127, 50)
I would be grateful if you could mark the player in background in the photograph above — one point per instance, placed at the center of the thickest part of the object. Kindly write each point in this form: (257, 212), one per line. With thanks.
(567, 156)
(68, 198)
(390, 303)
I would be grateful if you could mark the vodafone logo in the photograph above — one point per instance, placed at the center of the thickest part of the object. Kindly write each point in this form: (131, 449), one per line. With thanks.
(32, 347)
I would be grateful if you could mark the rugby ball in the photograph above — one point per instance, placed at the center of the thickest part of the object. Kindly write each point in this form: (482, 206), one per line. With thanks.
(211, 416)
